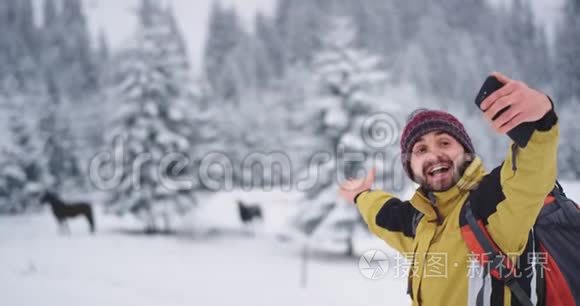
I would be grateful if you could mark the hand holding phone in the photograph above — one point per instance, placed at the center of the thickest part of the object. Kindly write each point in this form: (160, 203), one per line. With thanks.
(522, 133)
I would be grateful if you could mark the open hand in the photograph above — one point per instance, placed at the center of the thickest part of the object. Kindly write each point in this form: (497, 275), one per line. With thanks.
(352, 187)
(525, 104)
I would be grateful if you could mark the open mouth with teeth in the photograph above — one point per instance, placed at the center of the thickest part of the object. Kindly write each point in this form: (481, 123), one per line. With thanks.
(439, 170)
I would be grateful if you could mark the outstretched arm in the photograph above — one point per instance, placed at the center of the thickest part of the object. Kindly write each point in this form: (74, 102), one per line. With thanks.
(386, 216)
(527, 174)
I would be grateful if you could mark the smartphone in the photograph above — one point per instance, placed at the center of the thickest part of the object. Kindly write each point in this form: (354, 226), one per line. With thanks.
(522, 133)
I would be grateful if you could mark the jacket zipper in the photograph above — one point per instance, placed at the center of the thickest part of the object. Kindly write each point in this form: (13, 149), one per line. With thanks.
(410, 275)
(433, 202)
(514, 155)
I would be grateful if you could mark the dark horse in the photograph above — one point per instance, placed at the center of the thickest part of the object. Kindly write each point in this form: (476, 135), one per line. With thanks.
(249, 212)
(63, 211)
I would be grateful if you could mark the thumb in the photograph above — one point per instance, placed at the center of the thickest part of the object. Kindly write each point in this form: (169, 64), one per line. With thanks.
(501, 77)
(370, 179)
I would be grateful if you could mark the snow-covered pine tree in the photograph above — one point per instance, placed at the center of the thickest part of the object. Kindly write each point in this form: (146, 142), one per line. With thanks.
(61, 161)
(530, 45)
(299, 23)
(18, 42)
(378, 19)
(66, 47)
(30, 60)
(569, 151)
(80, 73)
(568, 89)
(567, 48)
(103, 51)
(273, 50)
(153, 121)
(21, 169)
(346, 75)
(224, 37)
(29, 156)
(67, 70)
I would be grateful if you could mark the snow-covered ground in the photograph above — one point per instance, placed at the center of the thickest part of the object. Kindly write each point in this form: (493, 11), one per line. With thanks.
(118, 266)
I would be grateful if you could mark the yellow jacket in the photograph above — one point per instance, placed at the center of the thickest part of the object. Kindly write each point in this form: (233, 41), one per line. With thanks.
(508, 199)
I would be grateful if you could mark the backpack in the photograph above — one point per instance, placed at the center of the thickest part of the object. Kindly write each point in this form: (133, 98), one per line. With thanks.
(555, 236)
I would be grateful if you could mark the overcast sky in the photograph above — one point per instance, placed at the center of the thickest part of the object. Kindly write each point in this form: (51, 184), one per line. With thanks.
(115, 17)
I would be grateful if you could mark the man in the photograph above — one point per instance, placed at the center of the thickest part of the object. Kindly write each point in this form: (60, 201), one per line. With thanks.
(438, 154)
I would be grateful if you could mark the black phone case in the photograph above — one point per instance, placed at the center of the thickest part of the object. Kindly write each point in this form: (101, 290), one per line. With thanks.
(522, 133)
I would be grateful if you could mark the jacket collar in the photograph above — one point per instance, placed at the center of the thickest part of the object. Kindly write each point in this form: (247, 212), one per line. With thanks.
(447, 200)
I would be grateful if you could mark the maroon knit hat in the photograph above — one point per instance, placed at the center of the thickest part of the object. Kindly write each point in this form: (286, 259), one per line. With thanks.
(423, 121)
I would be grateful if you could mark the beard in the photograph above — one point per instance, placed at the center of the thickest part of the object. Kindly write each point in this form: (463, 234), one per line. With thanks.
(443, 181)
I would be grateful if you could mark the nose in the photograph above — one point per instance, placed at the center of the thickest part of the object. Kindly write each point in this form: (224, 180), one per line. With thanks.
(433, 153)
(434, 156)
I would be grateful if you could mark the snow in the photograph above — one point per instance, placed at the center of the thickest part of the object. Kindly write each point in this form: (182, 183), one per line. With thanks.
(572, 190)
(119, 266)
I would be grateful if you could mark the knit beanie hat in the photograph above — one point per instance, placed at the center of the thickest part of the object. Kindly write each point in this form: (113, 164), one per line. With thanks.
(423, 121)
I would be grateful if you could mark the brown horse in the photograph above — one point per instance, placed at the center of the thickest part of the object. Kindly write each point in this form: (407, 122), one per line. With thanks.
(63, 211)
(249, 212)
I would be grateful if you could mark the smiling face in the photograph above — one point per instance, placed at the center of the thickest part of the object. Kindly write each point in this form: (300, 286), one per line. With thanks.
(438, 161)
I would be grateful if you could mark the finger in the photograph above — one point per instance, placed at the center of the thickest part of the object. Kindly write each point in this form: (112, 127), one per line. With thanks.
(506, 117)
(347, 187)
(499, 105)
(489, 121)
(517, 120)
(504, 91)
(501, 77)
(345, 195)
(371, 176)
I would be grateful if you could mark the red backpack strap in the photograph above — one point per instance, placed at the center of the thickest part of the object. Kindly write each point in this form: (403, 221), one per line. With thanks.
(489, 255)
(549, 200)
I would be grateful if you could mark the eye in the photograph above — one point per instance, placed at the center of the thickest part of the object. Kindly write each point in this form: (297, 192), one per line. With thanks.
(445, 143)
(420, 150)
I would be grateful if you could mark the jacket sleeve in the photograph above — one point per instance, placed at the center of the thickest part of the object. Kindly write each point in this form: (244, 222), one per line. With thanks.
(525, 182)
(388, 218)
